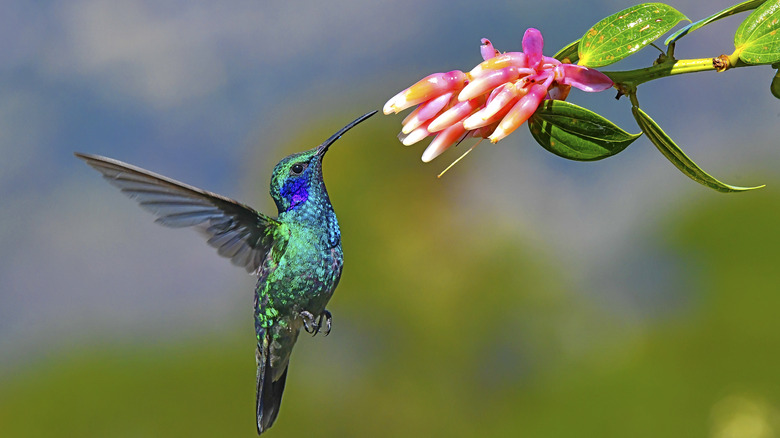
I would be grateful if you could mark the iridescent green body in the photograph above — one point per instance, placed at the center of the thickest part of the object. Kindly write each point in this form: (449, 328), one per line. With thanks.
(297, 256)
(303, 279)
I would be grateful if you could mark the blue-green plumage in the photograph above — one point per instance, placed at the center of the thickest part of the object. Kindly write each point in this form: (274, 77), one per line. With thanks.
(297, 255)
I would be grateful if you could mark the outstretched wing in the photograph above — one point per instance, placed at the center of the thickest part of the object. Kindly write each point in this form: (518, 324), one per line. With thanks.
(239, 233)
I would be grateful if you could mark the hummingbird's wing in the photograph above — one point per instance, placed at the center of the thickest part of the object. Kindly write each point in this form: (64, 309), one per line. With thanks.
(239, 233)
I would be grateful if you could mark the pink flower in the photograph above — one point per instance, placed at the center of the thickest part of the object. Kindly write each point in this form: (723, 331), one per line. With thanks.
(490, 101)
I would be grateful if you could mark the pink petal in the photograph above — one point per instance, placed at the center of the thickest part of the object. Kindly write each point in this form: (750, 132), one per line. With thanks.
(487, 82)
(586, 79)
(425, 112)
(546, 78)
(487, 50)
(479, 118)
(443, 141)
(455, 114)
(533, 43)
(503, 97)
(390, 105)
(550, 61)
(410, 116)
(520, 112)
(414, 136)
(495, 92)
(427, 88)
(414, 123)
(432, 107)
(504, 60)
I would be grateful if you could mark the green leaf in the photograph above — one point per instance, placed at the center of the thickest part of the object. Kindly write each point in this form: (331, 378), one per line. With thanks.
(626, 32)
(570, 51)
(576, 133)
(674, 154)
(742, 7)
(757, 40)
(774, 87)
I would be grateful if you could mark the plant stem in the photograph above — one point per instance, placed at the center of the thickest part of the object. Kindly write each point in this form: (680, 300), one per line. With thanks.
(630, 79)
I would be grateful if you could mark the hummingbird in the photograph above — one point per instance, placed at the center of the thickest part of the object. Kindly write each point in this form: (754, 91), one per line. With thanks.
(296, 256)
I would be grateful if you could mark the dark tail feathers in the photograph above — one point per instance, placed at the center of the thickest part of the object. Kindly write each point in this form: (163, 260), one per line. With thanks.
(269, 392)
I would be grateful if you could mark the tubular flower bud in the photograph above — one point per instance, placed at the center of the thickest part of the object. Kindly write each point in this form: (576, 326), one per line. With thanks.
(505, 95)
(520, 112)
(455, 114)
(489, 82)
(482, 118)
(508, 59)
(487, 50)
(426, 111)
(426, 89)
(443, 141)
(414, 136)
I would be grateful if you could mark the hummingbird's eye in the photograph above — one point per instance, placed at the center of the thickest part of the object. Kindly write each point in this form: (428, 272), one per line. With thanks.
(298, 168)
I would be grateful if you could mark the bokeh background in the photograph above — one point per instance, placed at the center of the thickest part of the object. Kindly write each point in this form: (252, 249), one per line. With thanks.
(519, 295)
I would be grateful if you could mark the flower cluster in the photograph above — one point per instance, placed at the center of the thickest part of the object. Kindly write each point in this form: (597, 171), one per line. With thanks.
(490, 101)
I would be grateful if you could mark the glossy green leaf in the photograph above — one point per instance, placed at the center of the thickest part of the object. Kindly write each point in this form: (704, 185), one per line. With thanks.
(570, 52)
(757, 39)
(774, 87)
(742, 7)
(674, 154)
(626, 32)
(576, 133)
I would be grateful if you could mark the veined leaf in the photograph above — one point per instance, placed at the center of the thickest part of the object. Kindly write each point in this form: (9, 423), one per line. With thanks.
(577, 133)
(626, 32)
(673, 153)
(731, 10)
(570, 51)
(757, 40)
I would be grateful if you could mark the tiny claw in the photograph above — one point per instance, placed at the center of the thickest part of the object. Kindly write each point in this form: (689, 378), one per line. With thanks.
(328, 319)
(312, 324)
(309, 324)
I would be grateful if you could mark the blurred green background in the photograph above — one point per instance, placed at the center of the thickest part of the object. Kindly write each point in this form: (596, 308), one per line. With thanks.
(519, 295)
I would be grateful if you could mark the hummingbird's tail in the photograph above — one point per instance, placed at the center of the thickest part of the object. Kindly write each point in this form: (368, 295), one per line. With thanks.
(269, 389)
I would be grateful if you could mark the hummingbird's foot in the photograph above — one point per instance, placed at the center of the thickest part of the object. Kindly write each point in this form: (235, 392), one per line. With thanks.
(328, 319)
(313, 324)
(309, 324)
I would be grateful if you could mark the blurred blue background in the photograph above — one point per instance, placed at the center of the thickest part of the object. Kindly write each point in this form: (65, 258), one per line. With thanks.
(521, 294)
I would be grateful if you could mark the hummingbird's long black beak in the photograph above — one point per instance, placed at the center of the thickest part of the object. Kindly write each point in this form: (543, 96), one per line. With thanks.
(321, 149)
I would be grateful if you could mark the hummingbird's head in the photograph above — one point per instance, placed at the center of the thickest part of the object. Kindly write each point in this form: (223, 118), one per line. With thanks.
(298, 177)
